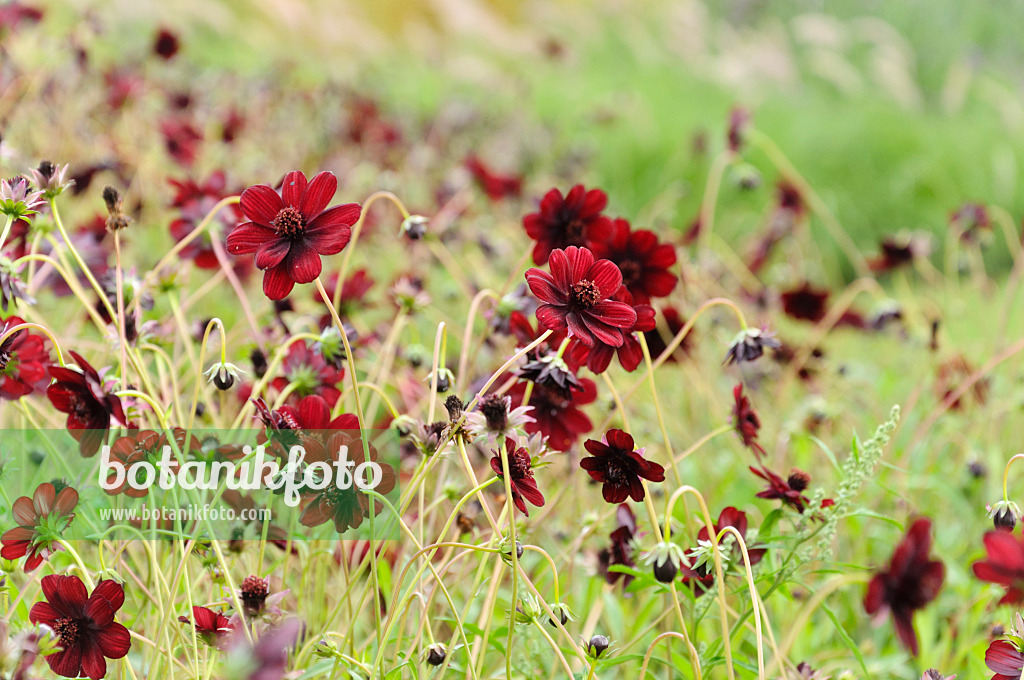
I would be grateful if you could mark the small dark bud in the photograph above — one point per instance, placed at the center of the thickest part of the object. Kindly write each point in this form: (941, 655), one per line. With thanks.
(563, 618)
(998, 631)
(454, 406)
(414, 227)
(223, 380)
(1004, 520)
(436, 654)
(200, 409)
(665, 570)
(259, 362)
(46, 169)
(519, 551)
(443, 384)
(112, 198)
(597, 646)
(976, 470)
(116, 219)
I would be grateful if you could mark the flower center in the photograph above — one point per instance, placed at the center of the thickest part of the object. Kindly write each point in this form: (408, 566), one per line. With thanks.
(519, 463)
(80, 407)
(630, 272)
(289, 222)
(616, 476)
(67, 631)
(575, 230)
(8, 362)
(254, 593)
(585, 294)
(493, 408)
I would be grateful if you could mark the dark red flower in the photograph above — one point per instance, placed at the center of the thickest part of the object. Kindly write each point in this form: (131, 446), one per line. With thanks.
(970, 219)
(289, 232)
(745, 421)
(13, 14)
(367, 127)
(599, 357)
(805, 303)
(194, 201)
(23, 362)
(911, 581)
(896, 252)
(577, 295)
(702, 574)
(41, 520)
(1004, 565)
(524, 487)
(86, 401)
(166, 44)
(563, 222)
(309, 373)
(789, 491)
(83, 624)
(1005, 660)
(739, 122)
(345, 508)
(619, 467)
(212, 627)
(522, 329)
(556, 412)
(642, 260)
(620, 552)
(353, 291)
(181, 139)
(496, 186)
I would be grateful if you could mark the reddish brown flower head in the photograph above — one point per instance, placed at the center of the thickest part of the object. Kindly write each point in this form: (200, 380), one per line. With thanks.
(911, 581)
(703, 574)
(496, 186)
(565, 221)
(642, 260)
(346, 508)
(308, 373)
(23, 362)
(83, 624)
(166, 44)
(616, 464)
(1005, 660)
(899, 250)
(789, 491)
(353, 291)
(599, 357)
(620, 551)
(212, 627)
(745, 421)
(86, 401)
(289, 232)
(182, 140)
(577, 295)
(805, 303)
(253, 594)
(193, 202)
(41, 521)
(557, 414)
(524, 487)
(1004, 565)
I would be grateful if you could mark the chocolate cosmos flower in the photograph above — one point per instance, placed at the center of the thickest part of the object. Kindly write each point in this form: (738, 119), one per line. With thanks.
(289, 232)
(619, 467)
(89, 406)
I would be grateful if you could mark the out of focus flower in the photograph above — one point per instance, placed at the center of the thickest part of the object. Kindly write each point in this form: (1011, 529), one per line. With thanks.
(557, 414)
(166, 44)
(643, 261)
(16, 199)
(23, 362)
(745, 421)
(789, 490)
(565, 221)
(50, 179)
(181, 139)
(1003, 565)
(805, 303)
(1005, 660)
(307, 372)
(289, 232)
(90, 407)
(620, 551)
(212, 627)
(193, 202)
(496, 186)
(698, 565)
(749, 345)
(911, 581)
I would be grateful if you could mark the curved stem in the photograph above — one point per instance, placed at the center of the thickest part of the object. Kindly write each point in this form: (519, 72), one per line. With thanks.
(1006, 474)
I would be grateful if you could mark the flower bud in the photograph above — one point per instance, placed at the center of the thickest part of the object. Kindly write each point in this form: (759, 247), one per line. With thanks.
(665, 570)
(597, 646)
(436, 654)
(414, 227)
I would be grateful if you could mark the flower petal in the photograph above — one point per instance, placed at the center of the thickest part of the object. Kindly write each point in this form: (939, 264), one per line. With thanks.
(293, 188)
(318, 194)
(606, 275)
(276, 282)
(260, 204)
(551, 317)
(248, 237)
(303, 264)
(543, 286)
(114, 641)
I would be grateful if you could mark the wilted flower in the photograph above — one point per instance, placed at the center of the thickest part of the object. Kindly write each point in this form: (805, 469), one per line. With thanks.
(51, 179)
(745, 421)
(494, 417)
(749, 344)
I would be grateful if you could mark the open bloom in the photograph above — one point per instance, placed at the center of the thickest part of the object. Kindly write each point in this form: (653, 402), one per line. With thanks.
(23, 362)
(524, 487)
(577, 295)
(911, 581)
(86, 401)
(642, 260)
(193, 202)
(1004, 565)
(289, 232)
(615, 463)
(212, 627)
(565, 221)
(630, 353)
(805, 303)
(1005, 660)
(556, 412)
(41, 521)
(790, 490)
(699, 567)
(84, 625)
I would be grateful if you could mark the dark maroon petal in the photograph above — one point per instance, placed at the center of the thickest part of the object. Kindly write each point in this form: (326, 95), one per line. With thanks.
(43, 612)
(617, 314)
(614, 493)
(620, 439)
(67, 663)
(272, 252)
(314, 414)
(904, 623)
(561, 271)
(318, 194)
(293, 188)
(346, 215)
(66, 501)
(596, 448)
(247, 238)
(552, 317)
(303, 264)
(607, 276)
(276, 282)
(580, 261)
(636, 489)
(114, 641)
(93, 663)
(24, 511)
(99, 610)
(1002, 657)
(582, 330)
(111, 591)
(260, 204)
(528, 488)
(543, 286)
(602, 332)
